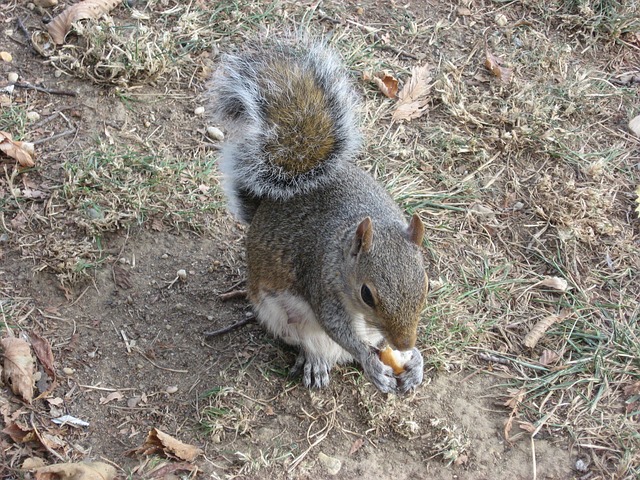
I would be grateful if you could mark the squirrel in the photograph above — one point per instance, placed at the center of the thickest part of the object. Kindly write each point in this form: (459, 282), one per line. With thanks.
(333, 267)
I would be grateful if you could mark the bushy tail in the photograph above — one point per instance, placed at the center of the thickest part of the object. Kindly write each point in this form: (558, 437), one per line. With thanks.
(290, 116)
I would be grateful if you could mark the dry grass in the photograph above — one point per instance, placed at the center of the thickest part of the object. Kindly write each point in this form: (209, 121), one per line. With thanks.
(515, 182)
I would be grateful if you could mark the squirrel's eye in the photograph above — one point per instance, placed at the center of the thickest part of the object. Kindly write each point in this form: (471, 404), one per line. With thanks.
(367, 296)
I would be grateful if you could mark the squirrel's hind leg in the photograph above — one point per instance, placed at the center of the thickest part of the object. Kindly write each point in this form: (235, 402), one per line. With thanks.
(289, 317)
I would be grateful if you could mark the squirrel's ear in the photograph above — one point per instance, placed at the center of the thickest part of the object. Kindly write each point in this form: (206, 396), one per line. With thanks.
(363, 239)
(416, 230)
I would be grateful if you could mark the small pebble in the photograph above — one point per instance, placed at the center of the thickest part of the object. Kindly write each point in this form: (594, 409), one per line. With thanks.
(165, 255)
(12, 77)
(501, 20)
(57, 74)
(332, 465)
(4, 238)
(215, 133)
(182, 274)
(199, 111)
(68, 371)
(33, 116)
(172, 389)
(518, 206)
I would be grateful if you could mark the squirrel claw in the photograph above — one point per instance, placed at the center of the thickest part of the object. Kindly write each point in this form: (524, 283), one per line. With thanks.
(413, 372)
(379, 374)
(314, 371)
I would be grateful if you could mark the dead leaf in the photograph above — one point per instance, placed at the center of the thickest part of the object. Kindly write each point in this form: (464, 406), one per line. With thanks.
(6, 56)
(548, 357)
(76, 471)
(19, 434)
(122, 277)
(61, 24)
(356, 445)
(387, 84)
(412, 100)
(111, 397)
(159, 442)
(42, 349)
(23, 152)
(532, 338)
(527, 426)
(638, 200)
(493, 64)
(514, 399)
(34, 194)
(18, 367)
(556, 283)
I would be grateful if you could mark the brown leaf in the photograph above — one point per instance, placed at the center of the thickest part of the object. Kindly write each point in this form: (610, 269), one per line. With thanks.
(387, 83)
(356, 445)
(548, 357)
(18, 367)
(535, 334)
(158, 442)
(122, 277)
(23, 152)
(42, 349)
(493, 65)
(19, 434)
(76, 471)
(527, 426)
(61, 24)
(412, 100)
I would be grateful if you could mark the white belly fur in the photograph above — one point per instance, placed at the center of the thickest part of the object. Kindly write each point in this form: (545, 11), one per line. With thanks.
(291, 318)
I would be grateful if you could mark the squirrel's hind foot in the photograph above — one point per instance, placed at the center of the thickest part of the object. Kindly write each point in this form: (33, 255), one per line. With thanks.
(314, 370)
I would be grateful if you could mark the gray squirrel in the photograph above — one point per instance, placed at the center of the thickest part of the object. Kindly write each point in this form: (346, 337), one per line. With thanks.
(333, 267)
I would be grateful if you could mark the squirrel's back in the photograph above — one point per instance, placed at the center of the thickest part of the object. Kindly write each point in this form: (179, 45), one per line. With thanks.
(290, 115)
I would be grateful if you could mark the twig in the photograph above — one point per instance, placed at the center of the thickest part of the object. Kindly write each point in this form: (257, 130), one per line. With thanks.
(240, 293)
(55, 137)
(24, 30)
(46, 90)
(234, 286)
(230, 328)
(396, 50)
(158, 366)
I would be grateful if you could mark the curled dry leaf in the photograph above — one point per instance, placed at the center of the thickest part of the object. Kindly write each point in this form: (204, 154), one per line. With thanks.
(493, 65)
(412, 99)
(387, 83)
(111, 397)
(638, 200)
(556, 283)
(23, 152)
(76, 471)
(532, 338)
(548, 357)
(18, 367)
(158, 442)
(61, 24)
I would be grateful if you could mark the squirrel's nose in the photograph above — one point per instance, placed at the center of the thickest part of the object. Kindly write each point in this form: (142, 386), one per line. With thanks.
(403, 343)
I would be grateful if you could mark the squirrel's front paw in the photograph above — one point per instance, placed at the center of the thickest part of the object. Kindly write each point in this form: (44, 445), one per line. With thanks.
(379, 374)
(413, 372)
(314, 370)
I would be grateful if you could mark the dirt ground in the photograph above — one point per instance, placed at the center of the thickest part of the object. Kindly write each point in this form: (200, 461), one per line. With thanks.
(90, 262)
